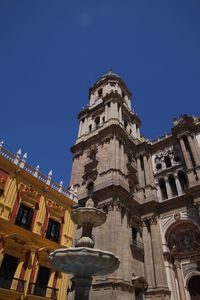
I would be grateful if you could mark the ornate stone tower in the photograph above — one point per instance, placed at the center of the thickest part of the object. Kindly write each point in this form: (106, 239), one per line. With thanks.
(105, 166)
(150, 191)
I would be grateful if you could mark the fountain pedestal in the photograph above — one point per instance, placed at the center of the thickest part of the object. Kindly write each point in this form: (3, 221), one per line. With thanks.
(83, 261)
(82, 287)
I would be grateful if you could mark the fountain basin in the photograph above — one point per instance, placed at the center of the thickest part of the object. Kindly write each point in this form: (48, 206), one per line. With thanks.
(91, 215)
(84, 261)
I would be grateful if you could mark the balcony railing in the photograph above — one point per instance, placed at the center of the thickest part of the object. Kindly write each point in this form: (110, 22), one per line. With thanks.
(136, 244)
(20, 161)
(11, 283)
(43, 291)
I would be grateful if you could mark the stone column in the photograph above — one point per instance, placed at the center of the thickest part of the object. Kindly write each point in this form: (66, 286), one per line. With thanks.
(158, 192)
(193, 150)
(120, 114)
(147, 171)
(112, 109)
(180, 280)
(178, 185)
(138, 132)
(197, 146)
(117, 155)
(140, 173)
(186, 157)
(122, 159)
(168, 188)
(148, 256)
(106, 112)
(188, 162)
(151, 171)
(160, 272)
(80, 129)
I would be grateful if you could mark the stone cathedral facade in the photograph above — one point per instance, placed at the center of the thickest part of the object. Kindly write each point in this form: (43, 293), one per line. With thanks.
(150, 191)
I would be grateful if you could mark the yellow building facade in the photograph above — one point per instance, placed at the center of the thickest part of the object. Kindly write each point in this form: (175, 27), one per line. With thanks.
(34, 220)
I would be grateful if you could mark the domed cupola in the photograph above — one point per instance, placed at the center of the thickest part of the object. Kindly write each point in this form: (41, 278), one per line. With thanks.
(107, 84)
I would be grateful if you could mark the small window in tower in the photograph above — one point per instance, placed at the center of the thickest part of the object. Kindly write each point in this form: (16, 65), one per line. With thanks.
(123, 94)
(130, 131)
(90, 128)
(141, 162)
(108, 104)
(112, 84)
(100, 92)
(83, 120)
(103, 119)
(125, 123)
(97, 121)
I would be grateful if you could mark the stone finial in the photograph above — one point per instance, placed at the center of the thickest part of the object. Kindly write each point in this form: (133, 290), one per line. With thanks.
(61, 183)
(89, 203)
(19, 152)
(36, 171)
(24, 157)
(1, 144)
(50, 174)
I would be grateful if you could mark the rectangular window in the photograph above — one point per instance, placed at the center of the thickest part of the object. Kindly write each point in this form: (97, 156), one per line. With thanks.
(7, 271)
(138, 294)
(53, 231)
(24, 216)
(42, 281)
(134, 233)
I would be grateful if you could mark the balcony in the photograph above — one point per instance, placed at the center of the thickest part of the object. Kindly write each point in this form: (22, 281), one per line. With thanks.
(137, 245)
(137, 249)
(11, 288)
(37, 291)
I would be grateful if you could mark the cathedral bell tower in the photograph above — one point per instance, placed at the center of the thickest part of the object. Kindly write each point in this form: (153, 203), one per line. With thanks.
(105, 168)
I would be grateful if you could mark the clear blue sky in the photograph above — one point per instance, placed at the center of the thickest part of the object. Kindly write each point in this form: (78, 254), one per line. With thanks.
(51, 51)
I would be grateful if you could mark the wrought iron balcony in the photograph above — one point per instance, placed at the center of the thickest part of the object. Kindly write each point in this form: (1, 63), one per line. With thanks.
(43, 291)
(137, 245)
(11, 283)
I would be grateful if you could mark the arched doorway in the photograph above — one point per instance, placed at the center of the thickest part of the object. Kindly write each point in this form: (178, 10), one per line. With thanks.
(194, 287)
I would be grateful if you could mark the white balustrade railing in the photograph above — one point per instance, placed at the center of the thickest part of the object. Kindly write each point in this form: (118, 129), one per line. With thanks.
(17, 160)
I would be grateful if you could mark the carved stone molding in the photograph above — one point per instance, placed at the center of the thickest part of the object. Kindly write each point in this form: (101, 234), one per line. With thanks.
(56, 211)
(139, 282)
(148, 221)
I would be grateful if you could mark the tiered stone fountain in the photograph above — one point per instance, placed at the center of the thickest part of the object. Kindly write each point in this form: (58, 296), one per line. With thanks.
(83, 261)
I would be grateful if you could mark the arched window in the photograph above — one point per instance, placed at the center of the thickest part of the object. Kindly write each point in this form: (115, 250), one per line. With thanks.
(194, 287)
(100, 93)
(97, 121)
(183, 180)
(172, 184)
(163, 189)
(90, 188)
(168, 161)
(90, 128)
